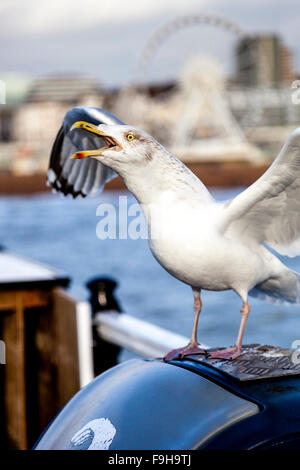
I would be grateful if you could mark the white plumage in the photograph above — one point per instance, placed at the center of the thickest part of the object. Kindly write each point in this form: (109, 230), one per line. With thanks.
(204, 243)
(269, 210)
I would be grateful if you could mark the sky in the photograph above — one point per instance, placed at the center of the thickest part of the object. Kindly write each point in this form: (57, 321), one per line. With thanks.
(106, 38)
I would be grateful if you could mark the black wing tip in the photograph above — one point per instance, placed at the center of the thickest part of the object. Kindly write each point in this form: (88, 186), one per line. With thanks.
(55, 176)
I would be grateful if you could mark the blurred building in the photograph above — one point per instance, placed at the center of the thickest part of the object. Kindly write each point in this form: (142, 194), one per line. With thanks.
(15, 87)
(194, 115)
(202, 111)
(29, 128)
(46, 103)
(263, 61)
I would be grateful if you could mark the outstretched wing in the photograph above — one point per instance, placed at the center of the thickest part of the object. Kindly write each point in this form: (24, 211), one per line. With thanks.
(269, 210)
(79, 177)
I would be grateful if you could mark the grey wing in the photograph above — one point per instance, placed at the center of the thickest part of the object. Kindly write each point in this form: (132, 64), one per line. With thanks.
(79, 177)
(269, 210)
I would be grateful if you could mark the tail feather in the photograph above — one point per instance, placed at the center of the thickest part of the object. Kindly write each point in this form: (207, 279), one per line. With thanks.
(284, 289)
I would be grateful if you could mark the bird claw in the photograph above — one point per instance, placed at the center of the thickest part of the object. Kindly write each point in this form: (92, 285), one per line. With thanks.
(229, 354)
(180, 353)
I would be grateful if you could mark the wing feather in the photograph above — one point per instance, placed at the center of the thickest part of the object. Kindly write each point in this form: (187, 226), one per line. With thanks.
(269, 210)
(73, 176)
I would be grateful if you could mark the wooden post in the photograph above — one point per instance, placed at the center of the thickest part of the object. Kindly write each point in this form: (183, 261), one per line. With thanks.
(20, 372)
(66, 347)
(41, 372)
(38, 325)
(13, 387)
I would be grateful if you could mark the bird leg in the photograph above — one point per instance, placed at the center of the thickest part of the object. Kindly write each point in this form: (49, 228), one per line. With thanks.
(193, 346)
(233, 353)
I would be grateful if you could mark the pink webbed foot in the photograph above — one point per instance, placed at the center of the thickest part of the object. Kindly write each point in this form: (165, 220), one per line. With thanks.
(230, 353)
(180, 353)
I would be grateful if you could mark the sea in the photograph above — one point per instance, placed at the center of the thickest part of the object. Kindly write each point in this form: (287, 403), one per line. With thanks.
(62, 233)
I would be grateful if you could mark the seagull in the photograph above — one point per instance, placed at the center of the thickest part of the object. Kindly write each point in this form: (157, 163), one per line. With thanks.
(206, 244)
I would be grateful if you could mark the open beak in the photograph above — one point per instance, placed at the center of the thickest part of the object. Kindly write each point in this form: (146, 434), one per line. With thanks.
(109, 141)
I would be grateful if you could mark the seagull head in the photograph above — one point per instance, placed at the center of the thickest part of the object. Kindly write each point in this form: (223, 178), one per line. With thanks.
(123, 145)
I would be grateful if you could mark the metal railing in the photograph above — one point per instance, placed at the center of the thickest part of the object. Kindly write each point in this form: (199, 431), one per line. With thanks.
(138, 336)
(112, 329)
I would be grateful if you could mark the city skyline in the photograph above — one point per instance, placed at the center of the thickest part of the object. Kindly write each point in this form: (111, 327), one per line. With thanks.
(106, 39)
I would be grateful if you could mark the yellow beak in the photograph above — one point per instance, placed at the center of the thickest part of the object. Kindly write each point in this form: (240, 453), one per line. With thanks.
(85, 153)
(90, 128)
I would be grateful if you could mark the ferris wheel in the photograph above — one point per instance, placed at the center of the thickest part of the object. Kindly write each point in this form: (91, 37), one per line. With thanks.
(163, 33)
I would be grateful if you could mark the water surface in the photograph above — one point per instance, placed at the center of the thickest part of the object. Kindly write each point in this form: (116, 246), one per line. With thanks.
(62, 232)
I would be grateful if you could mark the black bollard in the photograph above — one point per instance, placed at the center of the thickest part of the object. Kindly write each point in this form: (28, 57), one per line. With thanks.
(102, 299)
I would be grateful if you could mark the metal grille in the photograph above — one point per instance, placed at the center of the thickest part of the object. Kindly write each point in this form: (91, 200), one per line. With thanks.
(258, 362)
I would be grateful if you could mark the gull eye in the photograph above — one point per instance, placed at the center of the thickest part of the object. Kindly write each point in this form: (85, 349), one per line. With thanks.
(130, 137)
